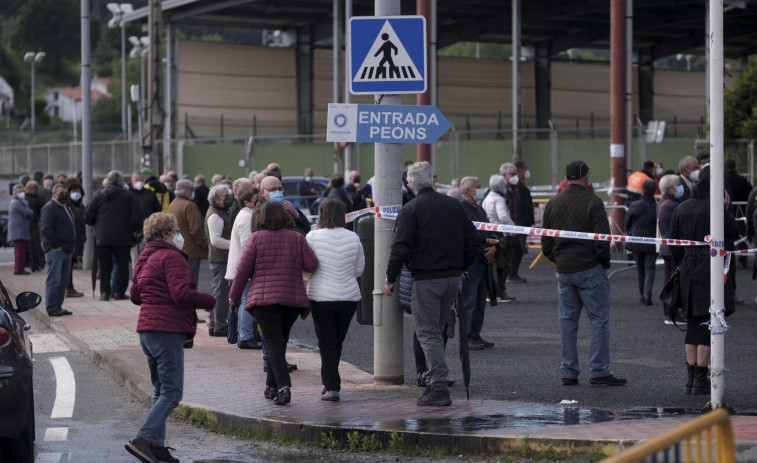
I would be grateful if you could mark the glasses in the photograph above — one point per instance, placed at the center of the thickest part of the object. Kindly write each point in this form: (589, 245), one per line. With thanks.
(279, 188)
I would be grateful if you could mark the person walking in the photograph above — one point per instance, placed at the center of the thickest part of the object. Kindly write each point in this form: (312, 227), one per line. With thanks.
(76, 208)
(332, 289)
(58, 238)
(273, 260)
(436, 261)
(115, 216)
(641, 220)
(672, 191)
(691, 221)
(191, 223)
(581, 277)
(165, 291)
(20, 217)
(218, 230)
(475, 283)
(248, 335)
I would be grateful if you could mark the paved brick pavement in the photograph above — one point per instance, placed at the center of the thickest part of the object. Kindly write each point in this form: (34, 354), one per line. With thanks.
(227, 384)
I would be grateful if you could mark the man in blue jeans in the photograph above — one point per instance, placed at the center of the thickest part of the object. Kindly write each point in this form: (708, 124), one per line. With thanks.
(58, 238)
(581, 278)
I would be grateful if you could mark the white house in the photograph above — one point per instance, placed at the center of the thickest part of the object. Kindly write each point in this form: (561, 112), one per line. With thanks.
(6, 99)
(64, 103)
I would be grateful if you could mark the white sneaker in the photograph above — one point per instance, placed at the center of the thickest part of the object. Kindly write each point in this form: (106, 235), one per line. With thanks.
(669, 321)
(330, 396)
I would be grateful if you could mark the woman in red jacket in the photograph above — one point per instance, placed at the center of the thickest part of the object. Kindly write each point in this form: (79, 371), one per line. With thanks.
(165, 290)
(273, 261)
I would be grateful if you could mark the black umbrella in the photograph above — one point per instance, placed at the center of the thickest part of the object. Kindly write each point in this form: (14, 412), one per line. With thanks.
(464, 356)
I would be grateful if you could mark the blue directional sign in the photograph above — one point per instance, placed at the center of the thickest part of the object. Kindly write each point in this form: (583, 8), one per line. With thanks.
(387, 54)
(385, 123)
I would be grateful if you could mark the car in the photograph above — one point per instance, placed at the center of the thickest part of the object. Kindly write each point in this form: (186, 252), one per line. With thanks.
(307, 204)
(16, 383)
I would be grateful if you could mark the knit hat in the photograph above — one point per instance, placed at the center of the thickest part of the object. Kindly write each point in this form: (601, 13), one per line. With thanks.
(146, 171)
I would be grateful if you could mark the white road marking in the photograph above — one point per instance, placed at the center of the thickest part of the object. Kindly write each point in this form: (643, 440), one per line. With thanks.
(48, 457)
(47, 343)
(65, 389)
(56, 434)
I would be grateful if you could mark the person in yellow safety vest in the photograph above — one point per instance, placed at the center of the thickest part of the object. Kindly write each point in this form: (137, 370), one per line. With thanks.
(164, 195)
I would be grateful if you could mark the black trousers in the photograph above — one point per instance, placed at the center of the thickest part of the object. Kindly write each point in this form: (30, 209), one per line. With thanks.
(276, 322)
(105, 256)
(516, 255)
(331, 320)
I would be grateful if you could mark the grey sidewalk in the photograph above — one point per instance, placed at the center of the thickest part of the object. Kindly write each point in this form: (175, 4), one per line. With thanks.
(226, 384)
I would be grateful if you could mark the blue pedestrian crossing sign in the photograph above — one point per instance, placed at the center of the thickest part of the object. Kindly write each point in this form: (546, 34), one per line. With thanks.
(387, 54)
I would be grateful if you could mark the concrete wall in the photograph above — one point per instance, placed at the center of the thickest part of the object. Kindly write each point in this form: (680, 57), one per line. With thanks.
(242, 81)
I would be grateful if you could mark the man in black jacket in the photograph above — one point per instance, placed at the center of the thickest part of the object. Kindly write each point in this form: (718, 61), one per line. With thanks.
(58, 238)
(147, 204)
(438, 242)
(581, 278)
(115, 216)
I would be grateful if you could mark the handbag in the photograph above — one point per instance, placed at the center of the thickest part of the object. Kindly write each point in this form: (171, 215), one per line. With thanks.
(671, 292)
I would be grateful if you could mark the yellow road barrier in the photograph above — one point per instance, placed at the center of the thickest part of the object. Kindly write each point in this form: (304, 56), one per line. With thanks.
(691, 442)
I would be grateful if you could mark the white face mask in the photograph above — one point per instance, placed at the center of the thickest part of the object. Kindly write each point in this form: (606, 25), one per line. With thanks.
(178, 240)
(527, 175)
(513, 180)
(138, 185)
(694, 176)
(21, 195)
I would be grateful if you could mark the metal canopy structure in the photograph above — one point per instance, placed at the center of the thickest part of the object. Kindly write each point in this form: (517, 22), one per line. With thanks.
(663, 27)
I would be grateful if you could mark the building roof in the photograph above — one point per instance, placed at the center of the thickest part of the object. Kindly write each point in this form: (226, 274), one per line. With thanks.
(664, 26)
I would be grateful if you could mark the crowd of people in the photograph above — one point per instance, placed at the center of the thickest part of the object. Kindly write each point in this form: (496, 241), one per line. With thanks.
(268, 267)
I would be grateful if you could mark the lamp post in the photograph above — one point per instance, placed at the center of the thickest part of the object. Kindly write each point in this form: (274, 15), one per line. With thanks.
(32, 57)
(141, 47)
(118, 11)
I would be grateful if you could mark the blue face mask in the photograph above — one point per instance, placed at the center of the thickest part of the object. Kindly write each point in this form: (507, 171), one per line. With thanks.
(192, 196)
(277, 196)
(679, 191)
(479, 194)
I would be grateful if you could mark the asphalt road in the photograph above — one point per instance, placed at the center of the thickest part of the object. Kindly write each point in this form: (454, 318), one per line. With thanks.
(524, 365)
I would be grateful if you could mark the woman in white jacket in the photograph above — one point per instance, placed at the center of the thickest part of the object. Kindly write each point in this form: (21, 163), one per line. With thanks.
(497, 211)
(333, 290)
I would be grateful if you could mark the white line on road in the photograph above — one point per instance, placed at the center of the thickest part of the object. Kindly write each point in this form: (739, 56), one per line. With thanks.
(48, 457)
(65, 389)
(56, 434)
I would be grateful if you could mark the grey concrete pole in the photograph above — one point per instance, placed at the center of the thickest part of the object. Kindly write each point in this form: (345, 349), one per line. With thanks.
(86, 123)
(335, 69)
(516, 77)
(123, 81)
(350, 148)
(168, 161)
(629, 91)
(717, 147)
(33, 117)
(388, 349)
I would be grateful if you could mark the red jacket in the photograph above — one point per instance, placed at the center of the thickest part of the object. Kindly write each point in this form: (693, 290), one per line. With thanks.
(165, 290)
(274, 261)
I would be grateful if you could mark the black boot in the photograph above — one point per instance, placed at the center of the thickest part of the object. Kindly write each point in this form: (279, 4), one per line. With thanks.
(701, 384)
(690, 379)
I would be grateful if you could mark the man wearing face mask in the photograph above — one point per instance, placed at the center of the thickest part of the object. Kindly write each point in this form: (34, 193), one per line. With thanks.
(218, 230)
(58, 238)
(75, 206)
(305, 188)
(689, 169)
(115, 215)
(271, 190)
(147, 204)
(191, 224)
(581, 278)
(522, 210)
(474, 285)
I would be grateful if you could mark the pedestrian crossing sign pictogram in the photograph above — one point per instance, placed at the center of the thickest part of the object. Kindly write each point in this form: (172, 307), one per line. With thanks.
(387, 54)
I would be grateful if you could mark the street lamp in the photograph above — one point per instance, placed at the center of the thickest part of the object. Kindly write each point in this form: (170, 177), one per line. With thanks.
(118, 11)
(141, 47)
(32, 57)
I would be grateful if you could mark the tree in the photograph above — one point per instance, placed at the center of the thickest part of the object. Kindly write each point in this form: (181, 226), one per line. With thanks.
(51, 26)
(740, 105)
